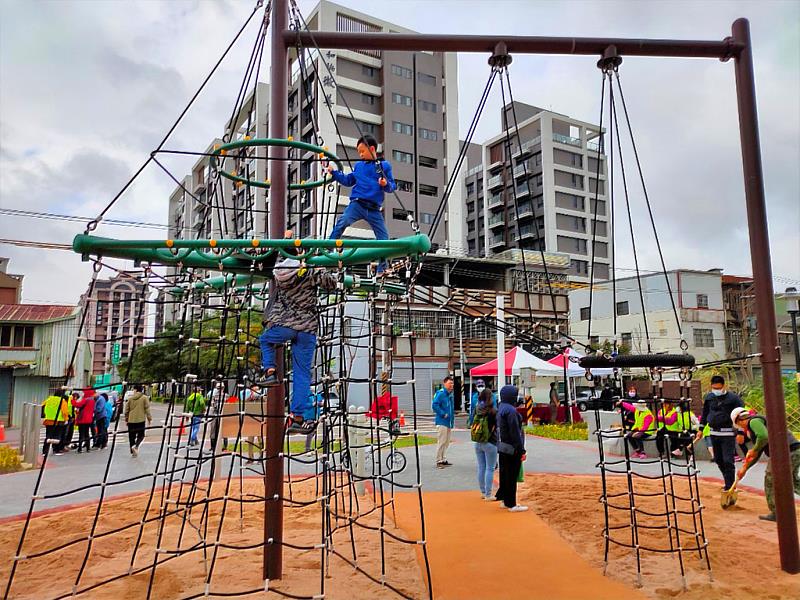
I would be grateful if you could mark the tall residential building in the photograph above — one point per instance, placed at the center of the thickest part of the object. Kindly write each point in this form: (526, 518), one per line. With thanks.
(540, 193)
(114, 313)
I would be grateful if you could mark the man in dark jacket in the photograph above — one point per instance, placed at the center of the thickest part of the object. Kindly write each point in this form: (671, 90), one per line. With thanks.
(510, 448)
(717, 408)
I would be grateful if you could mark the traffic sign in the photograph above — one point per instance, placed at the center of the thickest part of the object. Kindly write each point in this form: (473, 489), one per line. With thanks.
(115, 352)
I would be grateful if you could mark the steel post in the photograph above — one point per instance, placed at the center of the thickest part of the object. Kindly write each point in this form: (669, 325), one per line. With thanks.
(765, 301)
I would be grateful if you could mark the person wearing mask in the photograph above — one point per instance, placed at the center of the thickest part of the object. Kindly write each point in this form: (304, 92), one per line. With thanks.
(480, 385)
(629, 416)
(553, 402)
(510, 448)
(483, 432)
(137, 410)
(442, 406)
(754, 427)
(101, 431)
(55, 413)
(644, 427)
(717, 408)
(84, 420)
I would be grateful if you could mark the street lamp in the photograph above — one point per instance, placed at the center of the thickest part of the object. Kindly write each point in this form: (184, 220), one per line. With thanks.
(792, 297)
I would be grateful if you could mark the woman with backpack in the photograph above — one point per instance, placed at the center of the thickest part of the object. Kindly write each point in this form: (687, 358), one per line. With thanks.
(483, 432)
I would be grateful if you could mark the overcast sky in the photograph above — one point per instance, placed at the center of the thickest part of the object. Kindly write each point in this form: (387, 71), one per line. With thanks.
(88, 88)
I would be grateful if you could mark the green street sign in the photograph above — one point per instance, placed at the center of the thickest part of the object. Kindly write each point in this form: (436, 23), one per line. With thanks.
(115, 352)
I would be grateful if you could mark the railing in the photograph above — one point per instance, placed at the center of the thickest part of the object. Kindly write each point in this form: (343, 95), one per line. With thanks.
(496, 220)
(525, 210)
(495, 181)
(474, 170)
(565, 139)
(495, 201)
(497, 240)
(528, 146)
(526, 231)
(522, 190)
(594, 146)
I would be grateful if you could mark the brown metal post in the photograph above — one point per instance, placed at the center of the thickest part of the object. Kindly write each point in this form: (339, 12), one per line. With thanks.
(278, 126)
(765, 302)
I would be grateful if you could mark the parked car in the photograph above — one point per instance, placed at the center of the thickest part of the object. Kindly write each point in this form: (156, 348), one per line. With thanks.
(586, 401)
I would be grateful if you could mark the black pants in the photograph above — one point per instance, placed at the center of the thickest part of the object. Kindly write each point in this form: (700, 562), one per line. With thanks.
(52, 432)
(69, 430)
(724, 451)
(678, 440)
(135, 433)
(101, 439)
(509, 470)
(84, 430)
(636, 442)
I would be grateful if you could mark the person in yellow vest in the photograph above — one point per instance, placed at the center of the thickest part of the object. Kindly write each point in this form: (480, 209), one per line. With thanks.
(55, 413)
(644, 427)
(675, 425)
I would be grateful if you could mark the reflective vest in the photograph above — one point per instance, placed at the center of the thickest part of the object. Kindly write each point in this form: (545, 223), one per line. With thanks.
(638, 423)
(52, 411)
(683, 422)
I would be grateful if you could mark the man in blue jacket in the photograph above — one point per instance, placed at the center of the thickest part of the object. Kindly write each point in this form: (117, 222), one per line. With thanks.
(370, 179)
(443, 409)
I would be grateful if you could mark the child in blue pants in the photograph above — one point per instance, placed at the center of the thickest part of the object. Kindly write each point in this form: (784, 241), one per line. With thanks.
(291, 316)
(370, 179)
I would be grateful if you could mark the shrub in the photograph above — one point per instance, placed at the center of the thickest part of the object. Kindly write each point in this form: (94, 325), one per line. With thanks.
(9, 460)
(574, 431)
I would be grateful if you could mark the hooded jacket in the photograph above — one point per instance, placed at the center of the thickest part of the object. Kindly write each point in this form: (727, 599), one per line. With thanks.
(85, 408)
(509, 423)
(717, 412)
(137, 409)
(294, 304)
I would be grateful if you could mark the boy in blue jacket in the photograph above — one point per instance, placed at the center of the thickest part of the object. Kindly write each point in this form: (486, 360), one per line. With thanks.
(370, 179)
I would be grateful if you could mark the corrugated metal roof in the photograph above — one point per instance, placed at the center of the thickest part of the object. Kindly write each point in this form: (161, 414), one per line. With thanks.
(34, 313)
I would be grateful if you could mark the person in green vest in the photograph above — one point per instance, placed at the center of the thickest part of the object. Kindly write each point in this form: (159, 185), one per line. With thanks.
(195, 404)
(755, 430)
(677, 426)
(55, 413)
(644, 427)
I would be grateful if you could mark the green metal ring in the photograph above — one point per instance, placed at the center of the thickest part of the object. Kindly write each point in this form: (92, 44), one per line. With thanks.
(266, 142)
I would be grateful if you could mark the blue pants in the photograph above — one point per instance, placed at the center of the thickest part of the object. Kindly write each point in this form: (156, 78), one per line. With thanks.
(357, 211)
(303, 346)
(195, 428)
(486, 454)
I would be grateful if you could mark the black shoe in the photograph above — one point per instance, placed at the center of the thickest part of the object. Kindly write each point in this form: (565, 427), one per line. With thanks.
(303, 427)
(267, 379)
(446, 463)
(769, 517)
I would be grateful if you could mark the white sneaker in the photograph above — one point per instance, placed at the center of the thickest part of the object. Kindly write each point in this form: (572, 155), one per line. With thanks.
(518, 508)
(489, 498)
(135, 451)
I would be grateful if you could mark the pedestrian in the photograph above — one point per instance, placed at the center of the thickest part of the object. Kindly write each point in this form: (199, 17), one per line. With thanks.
(55, 413)
(677, 427)
(370, 178)
(291, 316)
(510, 448)
(101, 431)
(196, 406)
(69, 430)
(717, 408)
(480, 385)
(442, 406)
(483, 432)
(755, 430)
(84, 420)
(110, 410)
(629, 416)
(553, 403)
(137, 410)
(644, 426)
(113, 398)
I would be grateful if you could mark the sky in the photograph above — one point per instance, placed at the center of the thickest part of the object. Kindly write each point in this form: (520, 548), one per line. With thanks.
(89, 88)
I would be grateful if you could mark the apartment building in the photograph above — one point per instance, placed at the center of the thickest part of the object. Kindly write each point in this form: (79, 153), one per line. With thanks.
(538, 192)
(113, 312)
(698, 299)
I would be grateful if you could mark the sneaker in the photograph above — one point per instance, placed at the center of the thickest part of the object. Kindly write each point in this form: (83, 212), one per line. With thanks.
(518, 508)
(447, 463)
(440, 465)
(304, 427)
(737, 459)
(677, 452)
(769, 517)
(135, 451)
(267, 378)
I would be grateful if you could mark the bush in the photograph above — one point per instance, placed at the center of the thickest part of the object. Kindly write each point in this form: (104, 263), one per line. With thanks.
(10, 461)
(753, 396)
(574, 431)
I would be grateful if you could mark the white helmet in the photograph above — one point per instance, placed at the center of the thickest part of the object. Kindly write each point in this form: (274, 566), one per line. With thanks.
(737, 412)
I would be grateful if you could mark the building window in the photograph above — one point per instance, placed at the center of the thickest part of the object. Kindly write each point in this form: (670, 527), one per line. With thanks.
(427, 218)
(428, 190)
(703, 338)
(16, 336)
(404, 186)
(368, 71)
(428, 134)
(401, 71)
(403, 157)
(401, 99)
(702, 300)
(470, 189)
(368, 99)
(594, 341)
(427, 106)
(426, 79)
(427, 161)
(403, 128)
(365, 127)
(627, 340)
(585, 313)
(623, 308)
(398, 214)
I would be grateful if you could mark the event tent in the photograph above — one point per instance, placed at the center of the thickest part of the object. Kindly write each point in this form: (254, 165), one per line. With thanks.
(517, 359)
(573, 368)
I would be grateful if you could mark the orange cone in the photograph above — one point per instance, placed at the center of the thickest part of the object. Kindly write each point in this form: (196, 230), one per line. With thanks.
(402, 419)
(182, 428)
(2, 432)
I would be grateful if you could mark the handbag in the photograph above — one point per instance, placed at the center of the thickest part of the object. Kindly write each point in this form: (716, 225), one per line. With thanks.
(505, 448)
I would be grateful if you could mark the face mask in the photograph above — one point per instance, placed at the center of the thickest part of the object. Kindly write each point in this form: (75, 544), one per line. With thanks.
(718, 392)
(631, 394)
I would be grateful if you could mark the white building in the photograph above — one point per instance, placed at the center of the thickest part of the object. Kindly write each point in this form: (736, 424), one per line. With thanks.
(698, 301)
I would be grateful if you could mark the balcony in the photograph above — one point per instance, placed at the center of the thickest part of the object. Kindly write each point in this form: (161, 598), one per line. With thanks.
(495, 201)
(497, 220)
(522, 170)
(525, 210)
(523, 190)
(526, 231)
(565, 139)
(495, 182)
(527, 147)
(594, 146)
(474, 170)
(497, 240)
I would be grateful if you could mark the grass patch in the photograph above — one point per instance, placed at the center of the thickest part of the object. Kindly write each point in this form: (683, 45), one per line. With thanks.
(572, 431)
(407, 441)
(299, 446)
(10, 461)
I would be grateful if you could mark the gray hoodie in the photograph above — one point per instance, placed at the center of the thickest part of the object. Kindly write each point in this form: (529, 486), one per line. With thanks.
(294, 304)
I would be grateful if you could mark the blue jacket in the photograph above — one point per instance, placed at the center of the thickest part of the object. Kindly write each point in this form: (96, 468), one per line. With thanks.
(509, 425)
(364, 181)
(474, 402)
(442, 406)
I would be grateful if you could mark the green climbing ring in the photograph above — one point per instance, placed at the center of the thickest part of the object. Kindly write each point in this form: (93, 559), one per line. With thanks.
(244, 143)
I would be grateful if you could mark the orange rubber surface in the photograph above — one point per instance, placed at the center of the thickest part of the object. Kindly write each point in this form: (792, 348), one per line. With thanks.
(475, 548)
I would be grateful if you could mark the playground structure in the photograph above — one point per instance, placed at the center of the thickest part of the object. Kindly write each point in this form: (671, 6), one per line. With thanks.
(251, 261)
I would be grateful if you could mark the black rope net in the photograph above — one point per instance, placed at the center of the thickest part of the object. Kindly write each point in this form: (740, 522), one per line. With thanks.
(197, 509)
